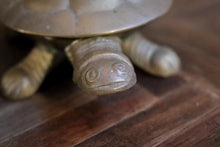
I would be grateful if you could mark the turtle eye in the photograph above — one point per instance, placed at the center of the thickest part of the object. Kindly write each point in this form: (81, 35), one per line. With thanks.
(92, 75)
(120, 67)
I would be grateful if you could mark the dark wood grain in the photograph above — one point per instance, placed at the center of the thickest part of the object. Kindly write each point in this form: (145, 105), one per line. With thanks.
(203, 133)
(79, 124)
(178, 111)
(18, 117)
(167, 118)
(158, 86)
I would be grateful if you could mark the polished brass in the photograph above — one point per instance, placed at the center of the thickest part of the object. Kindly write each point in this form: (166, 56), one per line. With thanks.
(100, 67)
(79, 18)
(155, 59)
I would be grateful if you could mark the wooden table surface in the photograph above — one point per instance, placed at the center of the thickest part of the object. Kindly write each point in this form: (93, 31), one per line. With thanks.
(179, 111)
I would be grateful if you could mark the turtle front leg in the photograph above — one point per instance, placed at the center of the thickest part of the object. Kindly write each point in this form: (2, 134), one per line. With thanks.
(23, 80)
(157, 60)
(100, 67)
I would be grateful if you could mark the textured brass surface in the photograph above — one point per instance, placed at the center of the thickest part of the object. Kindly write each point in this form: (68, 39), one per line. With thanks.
(100, 67)
(155, 59)
(79, 18)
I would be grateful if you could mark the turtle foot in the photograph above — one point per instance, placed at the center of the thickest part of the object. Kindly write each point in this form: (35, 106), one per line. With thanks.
(18, 84)
(24, 79)
(157, 60)
(165, 63)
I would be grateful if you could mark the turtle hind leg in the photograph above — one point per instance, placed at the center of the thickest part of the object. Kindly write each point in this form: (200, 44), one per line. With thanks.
(23, 80)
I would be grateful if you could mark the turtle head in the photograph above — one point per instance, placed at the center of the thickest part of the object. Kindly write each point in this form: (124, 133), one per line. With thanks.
(106, 75)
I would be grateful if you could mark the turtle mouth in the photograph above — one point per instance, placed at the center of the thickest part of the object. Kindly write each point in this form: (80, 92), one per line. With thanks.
(115, 86)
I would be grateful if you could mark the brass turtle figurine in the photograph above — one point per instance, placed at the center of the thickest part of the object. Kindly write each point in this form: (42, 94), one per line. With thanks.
(95, 43)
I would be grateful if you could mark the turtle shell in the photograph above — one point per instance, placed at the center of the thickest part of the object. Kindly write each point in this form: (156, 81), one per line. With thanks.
(79, 18)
